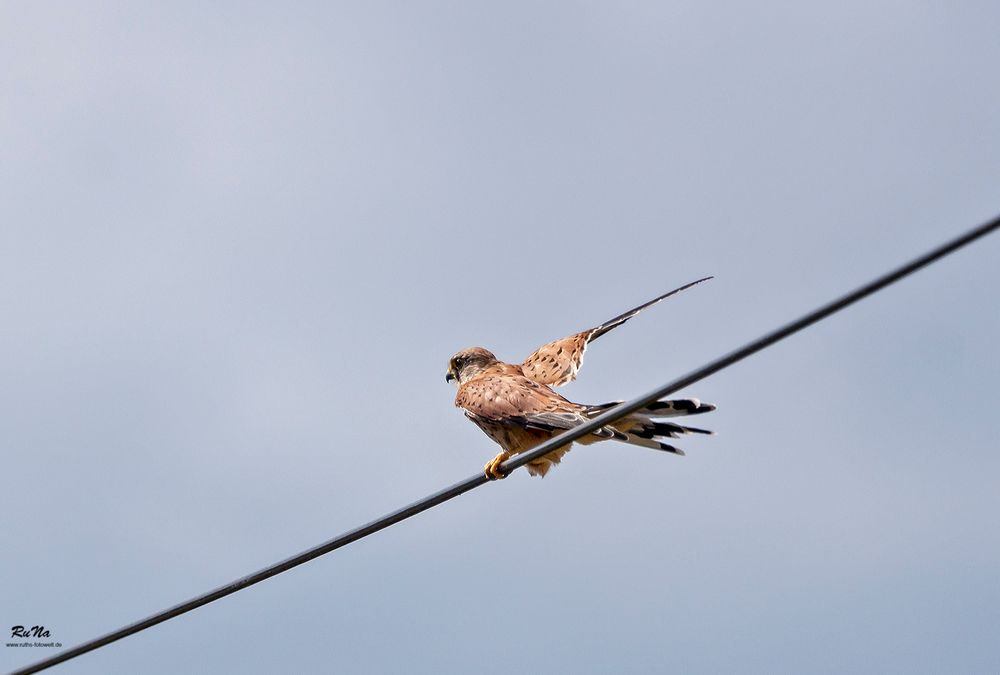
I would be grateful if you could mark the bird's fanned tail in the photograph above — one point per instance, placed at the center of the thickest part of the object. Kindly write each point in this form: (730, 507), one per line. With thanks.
(641, 428)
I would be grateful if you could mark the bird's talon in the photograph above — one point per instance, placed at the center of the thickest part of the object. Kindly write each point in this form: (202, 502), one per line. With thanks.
(492, 468)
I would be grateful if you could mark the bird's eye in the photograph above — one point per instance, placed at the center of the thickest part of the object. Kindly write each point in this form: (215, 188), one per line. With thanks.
(456, 364)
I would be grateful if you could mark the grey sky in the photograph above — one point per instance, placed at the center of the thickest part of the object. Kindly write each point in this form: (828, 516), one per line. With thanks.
(238, 244)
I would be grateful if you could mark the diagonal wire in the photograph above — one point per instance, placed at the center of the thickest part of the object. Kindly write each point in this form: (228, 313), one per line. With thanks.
(522, 459)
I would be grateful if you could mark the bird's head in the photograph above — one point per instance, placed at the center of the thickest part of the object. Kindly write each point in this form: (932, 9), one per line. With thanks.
(467, 363)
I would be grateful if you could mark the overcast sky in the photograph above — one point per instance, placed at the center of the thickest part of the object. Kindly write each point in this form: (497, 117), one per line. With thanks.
(239, 242)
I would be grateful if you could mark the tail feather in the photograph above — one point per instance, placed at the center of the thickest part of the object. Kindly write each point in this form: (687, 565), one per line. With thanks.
(677, 407)
(666, 429)
(642, 429)
(633, 439)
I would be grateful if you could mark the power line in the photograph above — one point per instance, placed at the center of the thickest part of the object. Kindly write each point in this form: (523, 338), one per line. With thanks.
(522, 459)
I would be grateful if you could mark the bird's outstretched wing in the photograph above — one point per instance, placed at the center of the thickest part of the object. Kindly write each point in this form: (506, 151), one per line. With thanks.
(557, 362)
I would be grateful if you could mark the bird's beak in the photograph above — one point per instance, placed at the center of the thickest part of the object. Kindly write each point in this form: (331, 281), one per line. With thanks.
(449, 377)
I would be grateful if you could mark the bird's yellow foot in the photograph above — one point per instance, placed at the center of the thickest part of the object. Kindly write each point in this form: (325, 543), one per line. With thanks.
(493, 470)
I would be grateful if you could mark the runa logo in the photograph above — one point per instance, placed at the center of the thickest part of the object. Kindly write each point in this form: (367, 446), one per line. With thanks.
(33, 632)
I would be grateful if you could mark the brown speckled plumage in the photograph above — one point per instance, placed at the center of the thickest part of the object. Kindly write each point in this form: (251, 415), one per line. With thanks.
(514, 405)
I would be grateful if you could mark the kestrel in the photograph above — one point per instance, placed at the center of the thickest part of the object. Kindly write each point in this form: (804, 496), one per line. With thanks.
(516, 407)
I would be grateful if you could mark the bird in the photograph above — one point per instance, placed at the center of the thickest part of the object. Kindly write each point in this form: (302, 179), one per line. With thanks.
(515, 406)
